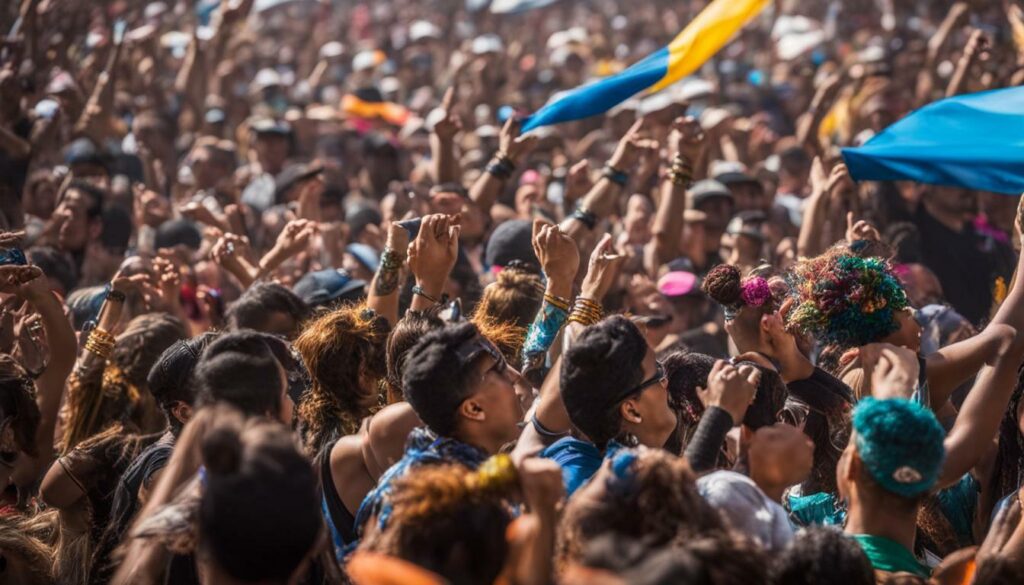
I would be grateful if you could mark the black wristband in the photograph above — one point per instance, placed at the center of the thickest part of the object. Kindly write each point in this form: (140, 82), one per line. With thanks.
(585, 217)
(615, 175)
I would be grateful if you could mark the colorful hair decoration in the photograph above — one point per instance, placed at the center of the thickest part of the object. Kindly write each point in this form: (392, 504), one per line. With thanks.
(755, 291)
(725, 285)
(845, 300)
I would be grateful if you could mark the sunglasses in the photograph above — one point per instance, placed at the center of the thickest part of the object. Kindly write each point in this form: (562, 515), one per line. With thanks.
(657, 378)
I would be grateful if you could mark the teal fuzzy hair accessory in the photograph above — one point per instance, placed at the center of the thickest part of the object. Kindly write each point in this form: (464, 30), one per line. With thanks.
(901, 443)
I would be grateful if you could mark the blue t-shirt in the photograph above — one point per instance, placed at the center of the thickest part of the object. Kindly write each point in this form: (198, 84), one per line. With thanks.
(578, 459)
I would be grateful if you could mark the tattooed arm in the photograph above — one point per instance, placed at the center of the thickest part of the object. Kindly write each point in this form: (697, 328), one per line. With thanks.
(383, 296)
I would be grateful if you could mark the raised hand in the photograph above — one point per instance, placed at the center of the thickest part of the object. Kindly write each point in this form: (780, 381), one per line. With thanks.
(26, 282)
(860, 230)
(602, 270)
(557, 253)
(687, 138)
(433, 253)
(819, 178)
(893, 371)
(295, 237)
(730, 388)
(511, 144)
(577, 182)
(450, 125)
(627, 152)
(541, 483)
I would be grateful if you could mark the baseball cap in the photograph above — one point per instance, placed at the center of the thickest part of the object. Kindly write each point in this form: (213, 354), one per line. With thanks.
(365, 255)
(270, 126)
(748, 509)
(708, 189)
(512, 240)
(488, 43)
(422, 29)
(324, 286)
(900, 443)
(679, 283)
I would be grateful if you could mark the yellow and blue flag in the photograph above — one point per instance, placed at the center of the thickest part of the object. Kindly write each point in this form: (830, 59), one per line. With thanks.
(699, 41)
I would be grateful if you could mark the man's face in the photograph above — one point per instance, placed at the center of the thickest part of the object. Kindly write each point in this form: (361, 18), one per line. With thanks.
(718, 211)
(76, 227)
(493, 386)
(657, 418)
(750, 197)
(272, 150)
(205, 169)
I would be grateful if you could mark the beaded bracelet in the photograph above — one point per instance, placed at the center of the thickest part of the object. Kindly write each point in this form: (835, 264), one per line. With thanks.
(391, 259)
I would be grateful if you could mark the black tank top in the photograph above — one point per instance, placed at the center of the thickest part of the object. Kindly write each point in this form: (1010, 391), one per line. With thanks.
(343, 520)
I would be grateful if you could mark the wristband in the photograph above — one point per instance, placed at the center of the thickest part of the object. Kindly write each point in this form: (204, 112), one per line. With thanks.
(615, 175)
(585, 217)
(418, 290)
(544, 431)
(112, 295)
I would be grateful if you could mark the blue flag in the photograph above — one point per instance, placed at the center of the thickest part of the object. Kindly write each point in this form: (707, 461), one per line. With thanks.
(974, 141)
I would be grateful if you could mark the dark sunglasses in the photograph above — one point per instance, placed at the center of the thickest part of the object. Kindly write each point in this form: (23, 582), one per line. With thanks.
(657, 378)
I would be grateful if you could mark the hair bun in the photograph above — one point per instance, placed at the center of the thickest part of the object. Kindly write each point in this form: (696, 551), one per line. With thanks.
(723, 285)
(222, 451)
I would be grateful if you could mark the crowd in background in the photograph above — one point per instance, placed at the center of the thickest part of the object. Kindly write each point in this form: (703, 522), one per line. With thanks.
(287, 297)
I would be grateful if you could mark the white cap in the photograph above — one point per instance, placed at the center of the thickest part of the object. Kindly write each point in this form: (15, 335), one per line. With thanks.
(390, 85)
(154, 10)
(266, 78)
(422, 29)
(721, 167)
(693, 88)
(576, 35)
(712, 117)
(364, 60)
(331, 50)
(656, 102)
(488, 43)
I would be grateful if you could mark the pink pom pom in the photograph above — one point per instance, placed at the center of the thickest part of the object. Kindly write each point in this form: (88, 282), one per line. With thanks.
(755, 291)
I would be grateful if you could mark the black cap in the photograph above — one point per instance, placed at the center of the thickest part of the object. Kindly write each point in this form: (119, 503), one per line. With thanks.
(512, 240)
(708, 189)
(325, 286)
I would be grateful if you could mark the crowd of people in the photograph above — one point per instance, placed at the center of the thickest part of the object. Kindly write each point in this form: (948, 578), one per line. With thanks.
(286, 297)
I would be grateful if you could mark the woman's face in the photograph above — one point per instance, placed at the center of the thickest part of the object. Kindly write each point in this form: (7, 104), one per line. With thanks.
(909, 333)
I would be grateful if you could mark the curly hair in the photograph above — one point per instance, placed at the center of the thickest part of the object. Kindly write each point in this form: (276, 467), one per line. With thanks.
(515, 297)
(662, 508)
(443, 522)
(845, 300)
(342, 350)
